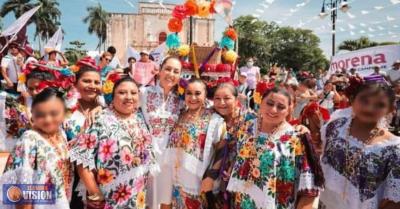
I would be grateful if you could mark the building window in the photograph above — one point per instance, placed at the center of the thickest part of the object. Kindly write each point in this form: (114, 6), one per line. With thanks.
(162, 37)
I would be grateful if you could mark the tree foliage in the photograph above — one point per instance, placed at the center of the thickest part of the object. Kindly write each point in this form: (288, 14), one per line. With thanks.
(76, 52)
(361, 43)
(282, 46)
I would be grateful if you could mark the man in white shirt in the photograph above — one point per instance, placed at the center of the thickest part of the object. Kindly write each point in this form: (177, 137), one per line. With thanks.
(253, 76)
(10, 68)
(394, 73)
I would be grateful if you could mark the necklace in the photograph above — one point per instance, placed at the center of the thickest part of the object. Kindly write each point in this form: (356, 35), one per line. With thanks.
(193, 116)
(273, 132)
(121, 117)
(350, 165)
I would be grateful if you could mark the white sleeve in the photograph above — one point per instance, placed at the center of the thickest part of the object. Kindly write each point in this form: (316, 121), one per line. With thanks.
(5, 62)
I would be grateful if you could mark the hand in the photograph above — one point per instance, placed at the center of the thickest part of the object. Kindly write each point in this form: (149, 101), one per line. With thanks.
(9, 84)
(207, 185)
(302, 129)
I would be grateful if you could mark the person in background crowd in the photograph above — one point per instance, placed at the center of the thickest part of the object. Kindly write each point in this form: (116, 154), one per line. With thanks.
(394, 73)
(291, 79)
(328, 96)
(360, 157)
(53, 61)
(191, 146)
(131, 62)
(27, 53)
(396, 115)
(11, 68)
(304, 94)
(104, 64)
(377, 71)
(115, 157)
(114, 63)
(272, 168)
(244, 94)
(321, 79)
(161, 107)
(253, 76)
(41, 154)
(144, 71)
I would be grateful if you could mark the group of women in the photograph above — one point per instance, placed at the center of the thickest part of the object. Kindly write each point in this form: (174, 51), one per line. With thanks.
(150, 149)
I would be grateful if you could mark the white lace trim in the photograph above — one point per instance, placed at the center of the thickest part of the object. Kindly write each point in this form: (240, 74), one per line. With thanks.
(255, 193)
(82, 158)
(337, 187)
(306, 182)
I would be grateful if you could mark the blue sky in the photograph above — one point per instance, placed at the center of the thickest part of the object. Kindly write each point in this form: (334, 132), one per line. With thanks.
(377, 19)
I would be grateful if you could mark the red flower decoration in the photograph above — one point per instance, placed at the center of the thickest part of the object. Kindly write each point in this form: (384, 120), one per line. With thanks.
(114, 77)
(284, 192)
(192, 203)
(231, 33)
(223, 68)
(202, 141)
(262, 87)
(187, 65)
(244, 169)
(175, 25)
(284, 138)
(191, 8)
(88, 61)
(313, 108)
(179, 12)
(212, 7)
(209, 68)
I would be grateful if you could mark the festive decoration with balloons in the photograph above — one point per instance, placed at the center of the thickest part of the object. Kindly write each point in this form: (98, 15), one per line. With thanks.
(230, 56)
(173, 41)
(191, 7)
(184, 50)
(228, 43)
(203, 9)
(175, 25)
(179, 12)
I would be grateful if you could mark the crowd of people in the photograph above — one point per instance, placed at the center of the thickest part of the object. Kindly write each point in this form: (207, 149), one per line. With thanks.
(142, 137)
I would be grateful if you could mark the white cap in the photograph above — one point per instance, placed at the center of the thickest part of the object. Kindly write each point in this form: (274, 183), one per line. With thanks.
(243, 74)
(144, 52)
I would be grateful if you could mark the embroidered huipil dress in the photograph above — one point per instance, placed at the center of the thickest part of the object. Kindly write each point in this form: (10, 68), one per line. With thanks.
(270, 172)
(358, 175)
(37, 161)
(161, 115)
(120, 152)
(190, 150)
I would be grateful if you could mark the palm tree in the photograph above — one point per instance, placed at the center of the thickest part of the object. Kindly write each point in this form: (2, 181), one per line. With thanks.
(97, 19)
(18, 7)
(46, 19)
(361, 43)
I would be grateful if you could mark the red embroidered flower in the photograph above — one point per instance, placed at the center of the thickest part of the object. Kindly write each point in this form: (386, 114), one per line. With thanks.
(122, 194)
(192, 204)
(244, 169)
(87, 141)
(284, 138)
(270, 145)
(284, 192)
(202, 141)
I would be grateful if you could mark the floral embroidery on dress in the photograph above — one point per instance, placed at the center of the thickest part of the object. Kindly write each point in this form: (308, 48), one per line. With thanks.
(373, 172)
(15, 117)
(274, 167)
(121, 153)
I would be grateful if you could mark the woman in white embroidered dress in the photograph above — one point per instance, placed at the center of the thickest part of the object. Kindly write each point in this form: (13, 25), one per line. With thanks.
(191, 146)
(161, 107)
(272, 168)
(114, 156)
(41, 154)
(361, 158)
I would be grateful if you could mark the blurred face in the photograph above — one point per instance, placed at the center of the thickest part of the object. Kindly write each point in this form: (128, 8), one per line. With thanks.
(370, 108)
(195, 96)
(32, 85)
(14, 50)
(397, 66)
(170, 73)
(126, 98)
(52, 56)
(144, 57)
(89, 86)
(242, 79)
(328, 87)
(224, 102)
(274, 108)
(105, 60)
(376, 70)
(48, 116)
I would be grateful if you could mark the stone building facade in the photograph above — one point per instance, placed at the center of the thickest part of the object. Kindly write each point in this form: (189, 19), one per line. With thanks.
(148, 28)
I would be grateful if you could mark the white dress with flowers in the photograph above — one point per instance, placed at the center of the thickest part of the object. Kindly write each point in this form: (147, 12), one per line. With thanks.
(270, 171)
(36, 161)
(160, 115)
(121, 153)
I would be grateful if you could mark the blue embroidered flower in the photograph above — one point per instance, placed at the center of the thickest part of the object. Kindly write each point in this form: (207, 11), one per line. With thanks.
(247, 203)
(266, 163)
(286, 170)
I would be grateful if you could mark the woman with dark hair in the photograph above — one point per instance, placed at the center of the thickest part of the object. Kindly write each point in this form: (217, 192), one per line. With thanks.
(361, 158)
(114, 157)
(41, 154)
(161, 107)
(191, 146)
(274, 167)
